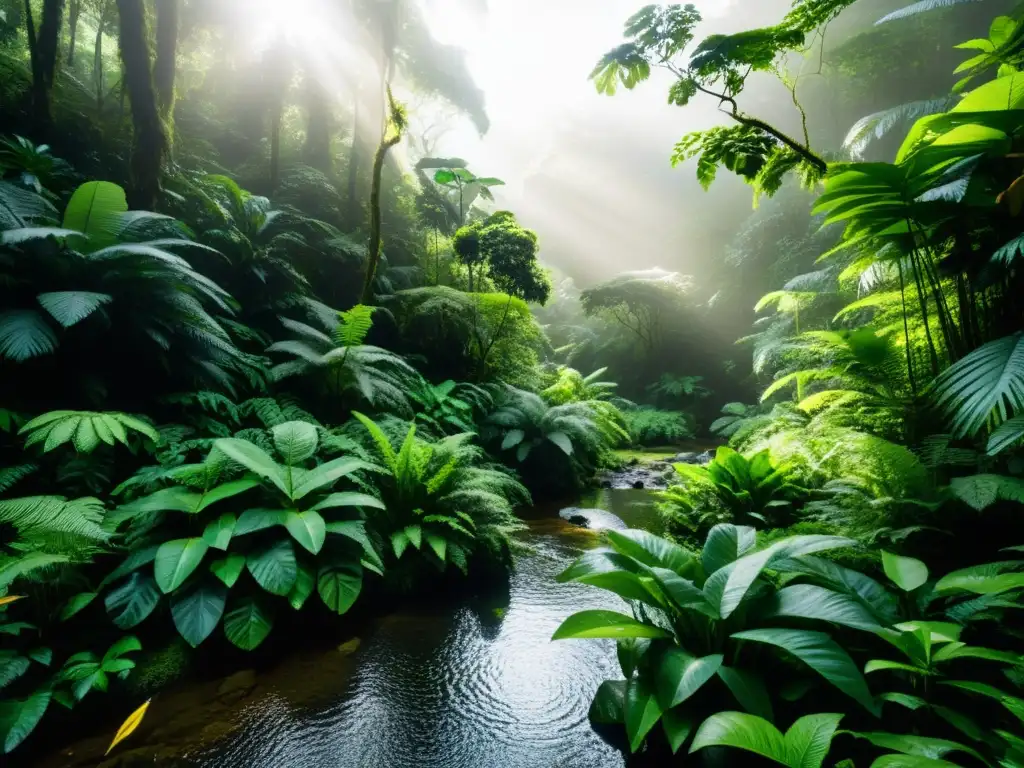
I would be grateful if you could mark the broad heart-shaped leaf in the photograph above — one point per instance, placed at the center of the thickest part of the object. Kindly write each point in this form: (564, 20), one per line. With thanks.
(296, 441)
(642, 711)
(678, 675)
(906, 573)
(513, 438)
(808, 601)
(23, 716)
(805, 744)
(609, 704)
(255, 459)
(175, 561)
(248, 624)
(218, 533)
(818, 651)
(562, 440)
(197, 611)
(229, 568)
(339, 584)
(921, 746)
(650, 550)
(746, 570)
(307, 528)
(749, 689)
(95, 209)
(589, 624)
(274, 567)
(725, 543)
(129, 603)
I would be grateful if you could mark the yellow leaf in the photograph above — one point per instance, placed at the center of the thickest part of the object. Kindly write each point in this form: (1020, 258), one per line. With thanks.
(128, 726)
(10, 599)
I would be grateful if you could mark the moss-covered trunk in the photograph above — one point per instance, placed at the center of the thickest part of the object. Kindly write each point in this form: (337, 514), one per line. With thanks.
(167, 24)
(150, 142)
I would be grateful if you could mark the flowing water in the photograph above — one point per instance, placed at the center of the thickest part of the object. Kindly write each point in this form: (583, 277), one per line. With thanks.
(467, 686)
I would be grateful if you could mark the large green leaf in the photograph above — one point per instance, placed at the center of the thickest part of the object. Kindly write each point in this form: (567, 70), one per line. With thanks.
(197, 611)
(988, 382)
(920, 746)
(804, 745)
(247, 625)
(678, 675)
(609, 704)
(562, 440)
(818, 651)
(749, 689)
(296, 441)
(348, 499)
(307, 528)
(725, 544)
(642, 711)
(274, 567)
(255, 459)
(24, 715)
(253, 520)
(746, 570)
(906, 573)
(176, 560)
(229, 568)
(327, 474)
(96, 209)
(611, 571)
(589, 624)
(129, 603)
(650, 550)
(339, 584)
(678, 725)
(808, 601)
(217, 533)
(987, 579)
(305, 583)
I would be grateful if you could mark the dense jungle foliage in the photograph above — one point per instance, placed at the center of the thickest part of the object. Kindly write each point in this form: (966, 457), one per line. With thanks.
(260, 372)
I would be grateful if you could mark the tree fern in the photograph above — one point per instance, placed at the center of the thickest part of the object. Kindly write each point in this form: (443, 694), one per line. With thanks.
(879, 124)
(986, 387)
(85, 428)
(355, 326)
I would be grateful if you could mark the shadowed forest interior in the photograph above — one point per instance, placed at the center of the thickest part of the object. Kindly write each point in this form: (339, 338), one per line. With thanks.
(595, 384)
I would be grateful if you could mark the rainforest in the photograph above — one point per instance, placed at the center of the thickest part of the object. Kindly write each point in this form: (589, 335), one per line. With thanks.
(511, 383)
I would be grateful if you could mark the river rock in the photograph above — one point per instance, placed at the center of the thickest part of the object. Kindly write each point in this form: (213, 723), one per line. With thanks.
(580, 520)
(350, 646)
(705, 458)
(237, 687)
(638, 484)
(687, 457)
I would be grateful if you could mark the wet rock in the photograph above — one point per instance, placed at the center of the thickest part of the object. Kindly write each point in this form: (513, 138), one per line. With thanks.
(237, 687)
(705, 458)
(350, 646)
(638, 484)
(579, 520)
(658, 466)
(606, 483)
(687, 457)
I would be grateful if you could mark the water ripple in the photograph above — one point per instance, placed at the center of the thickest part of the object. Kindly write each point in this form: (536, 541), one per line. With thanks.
(446, 691)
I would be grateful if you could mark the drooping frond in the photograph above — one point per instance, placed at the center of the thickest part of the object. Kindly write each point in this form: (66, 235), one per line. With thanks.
(985, 386)
(924, 6)
(85, 428)
(878, 125)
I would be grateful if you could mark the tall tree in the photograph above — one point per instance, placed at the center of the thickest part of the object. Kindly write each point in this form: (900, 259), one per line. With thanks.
(49, 39)
(150, 140)
(397, 125)
(43, 56)
(319, 124)
(167, 25)
(75, 11)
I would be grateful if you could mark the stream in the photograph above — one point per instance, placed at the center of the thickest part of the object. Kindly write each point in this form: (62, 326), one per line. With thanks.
(463, 686)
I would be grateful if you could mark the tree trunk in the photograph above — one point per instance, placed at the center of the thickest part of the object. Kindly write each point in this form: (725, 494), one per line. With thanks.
(167, 23)
(97, 60)
(75, 12)
(373, 255)
(49, 39)
(318, 125)
(150, 139)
